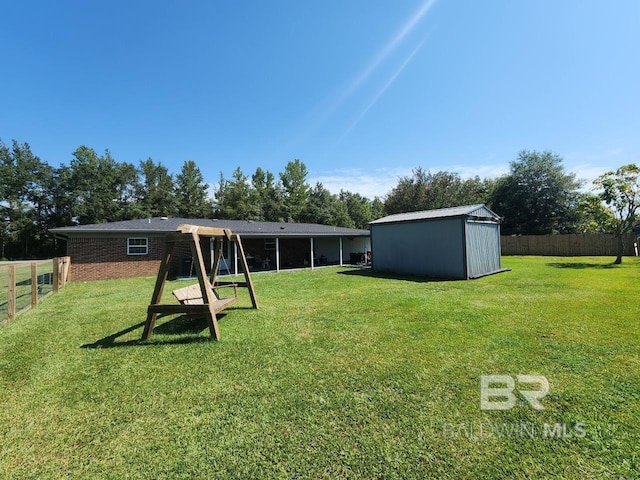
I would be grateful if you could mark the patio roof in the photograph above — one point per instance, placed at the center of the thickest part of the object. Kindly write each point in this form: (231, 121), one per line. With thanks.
(246, 228)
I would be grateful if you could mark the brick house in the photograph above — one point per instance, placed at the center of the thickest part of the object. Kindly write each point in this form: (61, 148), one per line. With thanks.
(133, 248)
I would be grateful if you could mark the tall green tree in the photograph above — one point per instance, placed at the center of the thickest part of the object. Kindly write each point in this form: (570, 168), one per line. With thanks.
(127, 187)
(101, 189)
(156, 192)
(296, 190)
(325, 208)
(192, 192)
(236, 199)
(377, 209)
(410, 194)
(25, 202)
(340, 215)
(319, 206)
(538, 196)
(593, 215)
(269, 195)
(620, 190)
(426, 191)
(358, 208)
(63, 199)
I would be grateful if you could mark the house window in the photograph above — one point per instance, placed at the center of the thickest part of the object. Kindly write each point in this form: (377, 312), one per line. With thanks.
(137, 246)
(270, 244)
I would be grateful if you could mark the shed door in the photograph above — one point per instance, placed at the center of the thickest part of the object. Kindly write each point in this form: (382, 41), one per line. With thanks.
(483, 248)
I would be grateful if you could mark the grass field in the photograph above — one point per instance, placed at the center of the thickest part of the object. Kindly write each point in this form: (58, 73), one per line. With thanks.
(340, 374)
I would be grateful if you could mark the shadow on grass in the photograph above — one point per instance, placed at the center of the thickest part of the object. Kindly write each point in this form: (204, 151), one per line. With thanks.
(179, 326)
(367, 272)
(581, 265)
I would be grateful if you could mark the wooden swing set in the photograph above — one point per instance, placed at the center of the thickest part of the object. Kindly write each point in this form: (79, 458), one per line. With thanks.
(201, 299)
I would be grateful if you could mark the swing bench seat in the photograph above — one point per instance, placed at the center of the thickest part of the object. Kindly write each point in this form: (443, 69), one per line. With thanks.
(192, 295)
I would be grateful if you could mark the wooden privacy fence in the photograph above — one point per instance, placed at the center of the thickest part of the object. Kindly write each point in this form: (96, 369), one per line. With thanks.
(24, 284)
(572, 245)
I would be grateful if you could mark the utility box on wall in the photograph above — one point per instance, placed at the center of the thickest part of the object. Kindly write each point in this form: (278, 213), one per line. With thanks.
(458, 243)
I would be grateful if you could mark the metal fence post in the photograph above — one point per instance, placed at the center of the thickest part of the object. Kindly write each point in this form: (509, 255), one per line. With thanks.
(34, 284)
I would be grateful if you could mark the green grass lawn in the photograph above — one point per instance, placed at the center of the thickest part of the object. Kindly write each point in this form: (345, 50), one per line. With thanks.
(340, 374)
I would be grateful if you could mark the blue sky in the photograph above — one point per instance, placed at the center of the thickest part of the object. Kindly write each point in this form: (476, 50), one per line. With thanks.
(360, 91)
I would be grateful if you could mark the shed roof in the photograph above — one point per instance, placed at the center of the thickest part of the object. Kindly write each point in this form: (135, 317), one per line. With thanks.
(243, 227)
(472, 211)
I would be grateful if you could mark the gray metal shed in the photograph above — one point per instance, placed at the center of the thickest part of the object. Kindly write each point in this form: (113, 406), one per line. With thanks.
(459, 242)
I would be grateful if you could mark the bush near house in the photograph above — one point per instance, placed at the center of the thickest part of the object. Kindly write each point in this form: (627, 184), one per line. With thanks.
(340, 374)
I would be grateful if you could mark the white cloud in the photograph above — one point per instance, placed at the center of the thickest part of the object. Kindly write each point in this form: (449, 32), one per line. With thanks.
(587, 173)
(589, 165)
(369, 183)
(379, 182)
(482, 171)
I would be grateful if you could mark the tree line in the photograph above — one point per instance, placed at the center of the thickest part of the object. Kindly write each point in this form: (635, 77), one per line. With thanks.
(537, 196)
(290, 198)
(94, 188)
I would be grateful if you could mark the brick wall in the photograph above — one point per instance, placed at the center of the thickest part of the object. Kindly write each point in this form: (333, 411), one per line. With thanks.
(106, 258)
(95, 258)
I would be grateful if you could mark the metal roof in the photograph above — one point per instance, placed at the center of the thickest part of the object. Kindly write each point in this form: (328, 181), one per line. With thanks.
(246, 228)
(477, 211)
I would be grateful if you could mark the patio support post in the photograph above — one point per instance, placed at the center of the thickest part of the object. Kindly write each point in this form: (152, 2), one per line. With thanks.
(277, 254)
(235, 258)
(340, 251)
(311, 258)
(364, 250)
(212, 242)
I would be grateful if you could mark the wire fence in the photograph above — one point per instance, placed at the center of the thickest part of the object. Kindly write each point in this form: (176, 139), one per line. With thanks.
(24, 284)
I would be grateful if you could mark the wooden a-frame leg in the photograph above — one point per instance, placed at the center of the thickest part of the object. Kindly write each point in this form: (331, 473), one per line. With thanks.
(247, 275)
(163, 272)
(212, 323)
(149, 325)
(205, 287)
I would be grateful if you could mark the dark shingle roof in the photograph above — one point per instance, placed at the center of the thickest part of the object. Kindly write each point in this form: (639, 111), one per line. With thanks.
(242, 227)
(465, 211)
